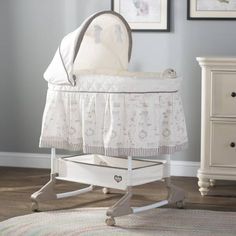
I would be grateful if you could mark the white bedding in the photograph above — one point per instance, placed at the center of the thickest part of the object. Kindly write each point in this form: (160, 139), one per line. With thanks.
(139, 115)
(122, 82)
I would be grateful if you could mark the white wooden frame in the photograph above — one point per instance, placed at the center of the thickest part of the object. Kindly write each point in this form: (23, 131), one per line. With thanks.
(162, 25)
(194, 14)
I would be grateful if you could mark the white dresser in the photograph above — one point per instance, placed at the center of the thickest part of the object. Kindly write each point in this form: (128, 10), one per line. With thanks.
(218, 121)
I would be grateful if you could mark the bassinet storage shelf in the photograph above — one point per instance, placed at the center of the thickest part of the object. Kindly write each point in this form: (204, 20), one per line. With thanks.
(112, 171)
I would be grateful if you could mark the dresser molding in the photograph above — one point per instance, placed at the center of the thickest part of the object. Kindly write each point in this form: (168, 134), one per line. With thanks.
(218, 121)
(217, 62)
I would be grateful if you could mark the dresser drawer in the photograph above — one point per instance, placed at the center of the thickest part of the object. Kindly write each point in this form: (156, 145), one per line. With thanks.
(223, 93)
(223, 144)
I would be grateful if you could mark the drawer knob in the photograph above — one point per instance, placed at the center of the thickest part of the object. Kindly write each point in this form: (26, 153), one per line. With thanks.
(232, 144)
(233, 94)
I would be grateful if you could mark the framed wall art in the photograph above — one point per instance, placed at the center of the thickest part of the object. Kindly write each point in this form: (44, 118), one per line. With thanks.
(211, 10)
(144, 15)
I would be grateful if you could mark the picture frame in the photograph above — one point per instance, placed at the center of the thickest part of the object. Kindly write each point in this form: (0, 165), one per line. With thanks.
(144, 15)
(211, 9)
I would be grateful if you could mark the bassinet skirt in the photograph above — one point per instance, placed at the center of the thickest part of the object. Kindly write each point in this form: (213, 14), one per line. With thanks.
(106, 115)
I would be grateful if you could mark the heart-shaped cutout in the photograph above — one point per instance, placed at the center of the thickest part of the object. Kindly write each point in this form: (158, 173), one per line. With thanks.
(117, 178)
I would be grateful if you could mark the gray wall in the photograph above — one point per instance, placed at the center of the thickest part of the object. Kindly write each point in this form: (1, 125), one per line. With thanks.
(30, 31)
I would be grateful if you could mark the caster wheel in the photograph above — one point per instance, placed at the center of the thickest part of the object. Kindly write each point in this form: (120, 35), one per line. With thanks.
(105, 190)
(212, 182)
(180, 204)
(34, 207)
(110, 221)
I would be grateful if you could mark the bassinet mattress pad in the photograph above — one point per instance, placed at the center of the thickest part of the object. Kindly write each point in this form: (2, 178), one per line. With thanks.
(133, 114)
(122, 82)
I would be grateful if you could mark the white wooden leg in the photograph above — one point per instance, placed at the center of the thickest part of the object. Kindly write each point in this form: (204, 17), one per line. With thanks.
(47, 191)
(74, 193)
(106, 190)
(212, 182)
(168, 158)
(175, 194)
(203, 184)
(129, 172)
(150, 206)
(53, 161)
(122, 207)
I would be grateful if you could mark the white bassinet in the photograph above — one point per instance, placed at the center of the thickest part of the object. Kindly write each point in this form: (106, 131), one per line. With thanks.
(97, 107)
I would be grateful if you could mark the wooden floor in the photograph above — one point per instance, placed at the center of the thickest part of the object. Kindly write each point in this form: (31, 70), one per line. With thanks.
(17, 184)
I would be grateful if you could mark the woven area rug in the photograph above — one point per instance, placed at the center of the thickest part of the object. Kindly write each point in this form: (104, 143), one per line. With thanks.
(161, 222)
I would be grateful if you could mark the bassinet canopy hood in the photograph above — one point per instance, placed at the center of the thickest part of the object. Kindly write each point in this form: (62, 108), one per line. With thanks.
(103, 42)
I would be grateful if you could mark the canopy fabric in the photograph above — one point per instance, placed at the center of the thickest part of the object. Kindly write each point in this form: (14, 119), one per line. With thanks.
(106, 33)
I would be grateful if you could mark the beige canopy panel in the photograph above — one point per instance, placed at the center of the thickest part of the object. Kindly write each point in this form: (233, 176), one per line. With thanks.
(103, 42)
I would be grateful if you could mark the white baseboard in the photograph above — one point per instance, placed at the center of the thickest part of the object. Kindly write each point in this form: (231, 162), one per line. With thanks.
(29, 160)
(36, 160)
(184, 168)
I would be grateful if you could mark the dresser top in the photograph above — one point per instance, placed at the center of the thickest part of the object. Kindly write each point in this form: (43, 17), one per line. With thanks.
(217, 60)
